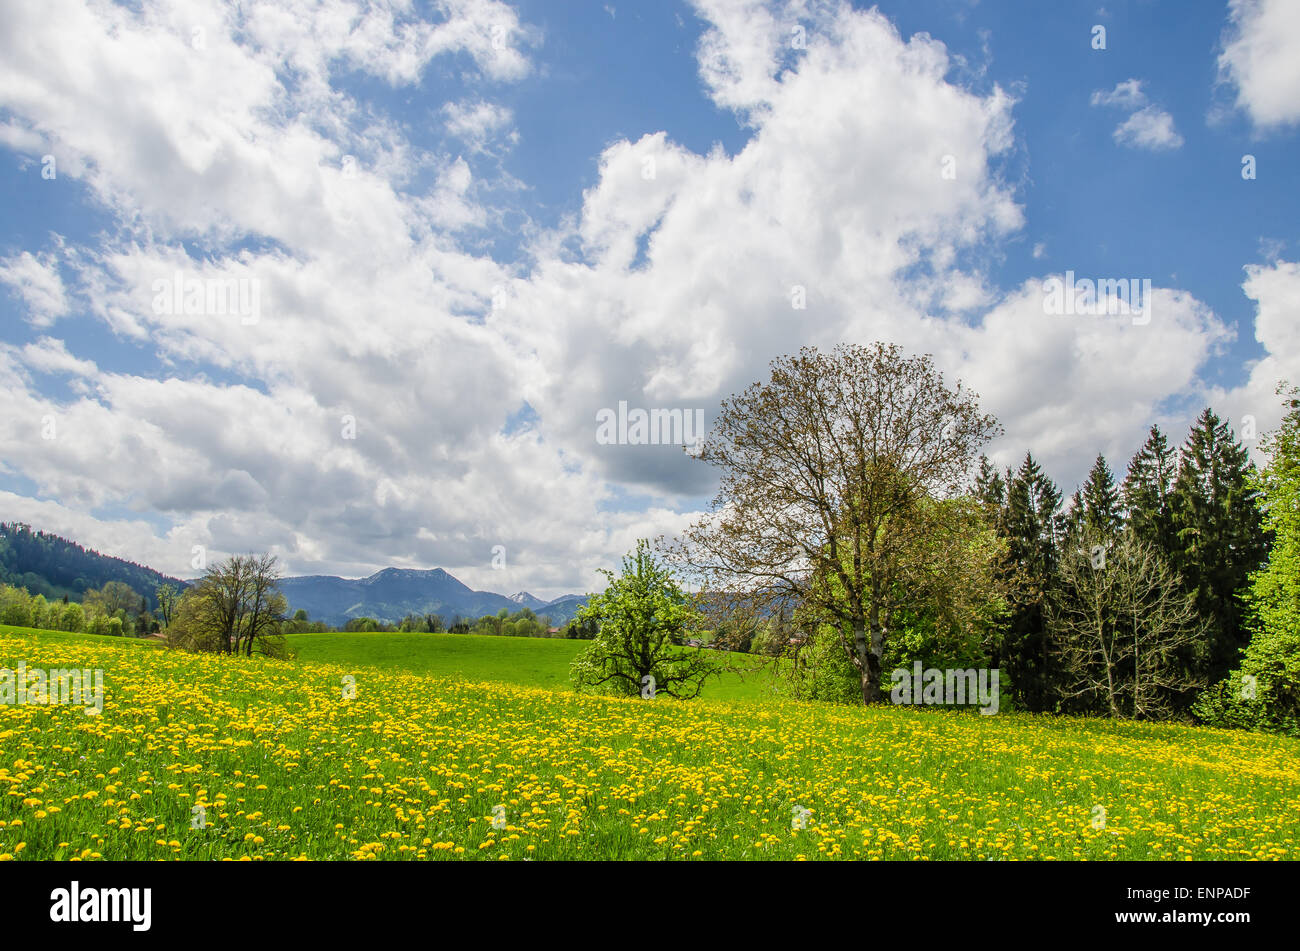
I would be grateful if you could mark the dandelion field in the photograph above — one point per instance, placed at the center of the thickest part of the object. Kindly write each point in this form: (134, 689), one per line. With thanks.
(426, 767)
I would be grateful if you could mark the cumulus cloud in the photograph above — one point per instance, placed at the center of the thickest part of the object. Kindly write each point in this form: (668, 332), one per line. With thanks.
(1148, 126)
(1275, 289)
(1259, 60)
(363, 415)
(1068, 386)
(1126, 94)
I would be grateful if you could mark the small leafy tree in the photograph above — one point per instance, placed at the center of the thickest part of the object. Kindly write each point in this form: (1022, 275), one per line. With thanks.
(642, 622)
(819, 668)
(167, 596)
(72, 618)
(15, 606)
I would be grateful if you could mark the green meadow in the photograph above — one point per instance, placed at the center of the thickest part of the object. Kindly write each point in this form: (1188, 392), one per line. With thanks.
(381, 746)
(526, 661)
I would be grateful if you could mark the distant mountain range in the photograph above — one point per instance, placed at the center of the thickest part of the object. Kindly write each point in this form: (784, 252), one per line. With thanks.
(393, 593)
(48, 564)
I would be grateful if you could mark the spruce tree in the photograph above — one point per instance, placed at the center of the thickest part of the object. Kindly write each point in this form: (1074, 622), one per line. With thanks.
(990, 488)
(1032, 527)
(1219, 535)
(1073, 518)
(1147, 491)
(1102, 515)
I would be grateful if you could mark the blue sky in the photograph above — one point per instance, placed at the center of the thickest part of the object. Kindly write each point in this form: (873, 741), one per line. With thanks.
(446, 211)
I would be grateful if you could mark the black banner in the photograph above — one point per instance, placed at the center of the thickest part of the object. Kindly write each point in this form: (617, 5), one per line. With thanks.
(928, 901)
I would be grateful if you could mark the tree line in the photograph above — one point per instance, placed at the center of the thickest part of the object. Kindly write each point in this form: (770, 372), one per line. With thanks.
(115, 609)
(859, 527)
(209, 608)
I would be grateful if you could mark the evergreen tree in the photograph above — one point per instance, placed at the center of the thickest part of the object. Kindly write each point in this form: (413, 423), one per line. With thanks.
(1219, 535)
(1073, 518)
(1147, 491)
(990, 487)
(1032, 526)
(1102, 516)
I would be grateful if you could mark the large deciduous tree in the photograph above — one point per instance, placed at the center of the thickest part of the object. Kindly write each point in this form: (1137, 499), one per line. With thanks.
(113, 597)
(829, 472)
(236, 607)
(1121, 620)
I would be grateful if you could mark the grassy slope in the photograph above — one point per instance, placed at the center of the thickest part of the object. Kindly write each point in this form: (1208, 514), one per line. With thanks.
(413, 766)
(57, 637)
(525, 661)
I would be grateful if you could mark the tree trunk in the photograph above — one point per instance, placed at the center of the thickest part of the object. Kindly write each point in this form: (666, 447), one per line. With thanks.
(868, 659)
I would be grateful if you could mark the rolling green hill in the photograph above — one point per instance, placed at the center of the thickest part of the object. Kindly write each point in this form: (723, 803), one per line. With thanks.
(525, 661)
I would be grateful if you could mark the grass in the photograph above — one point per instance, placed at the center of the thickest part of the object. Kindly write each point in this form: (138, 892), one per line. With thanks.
(37, 635)
(524, 661)
(285, 765)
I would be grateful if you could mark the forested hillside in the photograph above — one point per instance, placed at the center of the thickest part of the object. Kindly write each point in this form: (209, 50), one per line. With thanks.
(48, 564)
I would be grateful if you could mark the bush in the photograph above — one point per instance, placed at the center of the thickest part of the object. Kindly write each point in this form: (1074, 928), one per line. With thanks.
(1271, 700)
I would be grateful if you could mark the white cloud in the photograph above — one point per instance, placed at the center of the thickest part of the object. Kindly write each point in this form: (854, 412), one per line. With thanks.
(477, 123)
(1260, 59)
(1275, 289)
(19, 138)
(37, 283)
(1069, 387)
(670, 286)
(1127, 94)
(48, 355)
(1148, 126)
